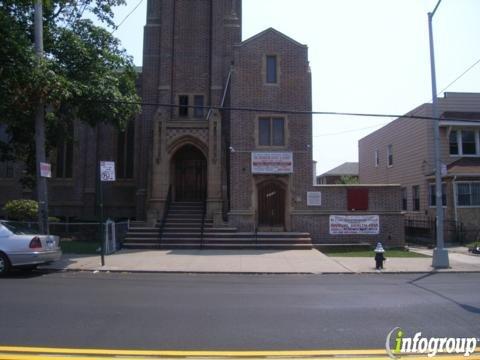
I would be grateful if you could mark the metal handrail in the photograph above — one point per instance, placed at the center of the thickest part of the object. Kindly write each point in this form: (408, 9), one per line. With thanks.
(165, 213)
(255, 222)
(202, 228)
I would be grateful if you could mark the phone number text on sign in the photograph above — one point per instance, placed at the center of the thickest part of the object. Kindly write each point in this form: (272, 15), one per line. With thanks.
(354, 225)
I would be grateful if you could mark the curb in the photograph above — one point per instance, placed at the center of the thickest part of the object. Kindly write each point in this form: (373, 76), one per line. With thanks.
(53, 270)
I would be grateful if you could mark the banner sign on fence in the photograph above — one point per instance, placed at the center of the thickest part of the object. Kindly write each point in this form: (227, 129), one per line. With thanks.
(354, 225)
(45, 170)
(107, 171)
(272, 162)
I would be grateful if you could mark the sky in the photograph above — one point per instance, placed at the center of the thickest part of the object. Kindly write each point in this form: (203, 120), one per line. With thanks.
(366, 56)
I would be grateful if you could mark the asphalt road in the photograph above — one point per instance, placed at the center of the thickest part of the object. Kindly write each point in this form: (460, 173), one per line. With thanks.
(233, 312)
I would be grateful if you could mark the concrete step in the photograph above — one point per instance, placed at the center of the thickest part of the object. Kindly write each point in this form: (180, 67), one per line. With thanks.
(183, 228)
(190, 217)
(186, 203)
(141, 240)
(210, 238)
(143, 230)
(138, 223)
(131, 235)
(283, 234)
(220, 230)
(183, 235)
(184, 211)
(196, 246)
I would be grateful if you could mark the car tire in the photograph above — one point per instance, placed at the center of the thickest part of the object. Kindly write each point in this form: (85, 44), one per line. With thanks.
(4, 264)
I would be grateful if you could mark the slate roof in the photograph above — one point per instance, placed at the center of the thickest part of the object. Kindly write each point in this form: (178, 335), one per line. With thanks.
(346, 169)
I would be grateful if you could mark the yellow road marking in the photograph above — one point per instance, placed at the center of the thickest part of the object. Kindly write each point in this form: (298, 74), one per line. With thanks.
(41, 353)
(175, 353)
(86, 357)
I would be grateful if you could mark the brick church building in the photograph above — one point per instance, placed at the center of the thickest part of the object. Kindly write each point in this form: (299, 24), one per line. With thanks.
(225, 150)
(194, 57)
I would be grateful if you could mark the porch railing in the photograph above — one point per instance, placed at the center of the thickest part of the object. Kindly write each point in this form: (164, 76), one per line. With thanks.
(202, 226)
(166, 208)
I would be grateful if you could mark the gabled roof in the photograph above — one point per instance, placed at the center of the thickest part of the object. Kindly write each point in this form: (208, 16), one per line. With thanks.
(346, 169)
(270, 31)
(464, 166)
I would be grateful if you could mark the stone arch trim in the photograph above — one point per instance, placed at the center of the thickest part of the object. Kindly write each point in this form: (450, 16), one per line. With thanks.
(180, 142)
(282, 182)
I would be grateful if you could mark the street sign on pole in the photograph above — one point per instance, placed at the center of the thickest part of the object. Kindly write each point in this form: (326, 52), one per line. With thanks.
(45, 170)
(107, 171)
(107, 174)
(40, 156)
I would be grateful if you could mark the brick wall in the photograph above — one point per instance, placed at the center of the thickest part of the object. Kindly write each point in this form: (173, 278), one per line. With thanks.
(292, 92)
(384, 201)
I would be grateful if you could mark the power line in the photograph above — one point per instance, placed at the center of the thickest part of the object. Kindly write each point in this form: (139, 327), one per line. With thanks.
(463, 74)
(351, 130)
(282, 111)
(127, 16)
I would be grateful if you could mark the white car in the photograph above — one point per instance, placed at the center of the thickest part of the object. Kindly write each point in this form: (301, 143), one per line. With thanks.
(20, 247)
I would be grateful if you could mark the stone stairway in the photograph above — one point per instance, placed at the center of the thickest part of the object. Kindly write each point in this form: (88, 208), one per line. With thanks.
(183, 230)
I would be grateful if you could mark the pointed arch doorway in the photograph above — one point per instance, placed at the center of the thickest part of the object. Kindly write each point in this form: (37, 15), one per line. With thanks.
(271, 205)
(189, 175)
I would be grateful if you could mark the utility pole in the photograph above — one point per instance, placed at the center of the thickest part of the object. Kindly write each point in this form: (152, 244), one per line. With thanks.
(42, 196)
(440, 254)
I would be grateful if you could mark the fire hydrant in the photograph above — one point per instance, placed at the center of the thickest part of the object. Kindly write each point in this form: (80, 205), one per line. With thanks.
(379, 258)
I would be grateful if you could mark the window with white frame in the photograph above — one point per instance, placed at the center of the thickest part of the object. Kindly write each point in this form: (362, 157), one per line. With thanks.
(390, 155)
(468, 194)
(464, 142)
(377, 158)
(433, 197)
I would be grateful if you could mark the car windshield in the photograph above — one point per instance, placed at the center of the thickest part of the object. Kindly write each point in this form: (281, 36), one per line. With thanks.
(20, 229)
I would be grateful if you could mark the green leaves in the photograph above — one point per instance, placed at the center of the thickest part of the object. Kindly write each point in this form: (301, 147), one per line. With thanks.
(85, 74)
(21, 210)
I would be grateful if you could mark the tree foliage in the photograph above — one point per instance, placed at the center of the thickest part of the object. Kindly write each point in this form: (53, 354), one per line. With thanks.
(84, 75)
(21, 210)
(347, 180)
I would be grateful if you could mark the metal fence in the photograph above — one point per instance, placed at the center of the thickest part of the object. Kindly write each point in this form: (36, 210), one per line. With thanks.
(86, 232)
(422, 230)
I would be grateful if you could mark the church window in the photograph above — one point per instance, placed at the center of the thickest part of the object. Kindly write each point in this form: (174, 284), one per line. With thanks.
(64, 160)
(271, 131)
(125, 151)
(183, 105)
(6, 165)
(272, 69)
(199, 103)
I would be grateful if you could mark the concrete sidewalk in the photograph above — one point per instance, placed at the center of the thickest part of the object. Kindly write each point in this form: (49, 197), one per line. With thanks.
(251, 261)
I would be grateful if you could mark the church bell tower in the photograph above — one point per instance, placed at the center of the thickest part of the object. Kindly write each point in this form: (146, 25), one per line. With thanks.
(187, 57)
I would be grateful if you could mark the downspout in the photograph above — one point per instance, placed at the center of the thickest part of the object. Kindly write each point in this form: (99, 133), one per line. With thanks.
(210, 65)
(172, 69)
